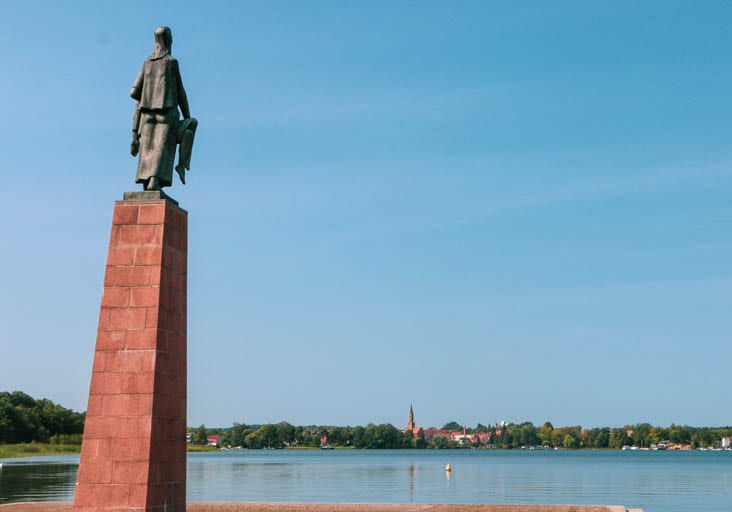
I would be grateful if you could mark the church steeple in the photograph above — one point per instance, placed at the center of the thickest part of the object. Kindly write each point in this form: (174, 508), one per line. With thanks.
(410, 423)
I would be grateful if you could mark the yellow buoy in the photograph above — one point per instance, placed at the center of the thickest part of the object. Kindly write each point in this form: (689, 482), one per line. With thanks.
(448, 468)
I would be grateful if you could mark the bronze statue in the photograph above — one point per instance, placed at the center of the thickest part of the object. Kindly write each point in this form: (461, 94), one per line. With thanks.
(156, 125)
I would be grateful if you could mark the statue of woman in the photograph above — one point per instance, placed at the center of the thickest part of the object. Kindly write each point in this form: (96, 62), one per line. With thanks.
(156, 126)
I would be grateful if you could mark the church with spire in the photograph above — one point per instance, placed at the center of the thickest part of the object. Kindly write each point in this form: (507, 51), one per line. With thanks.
(411, 426)
(454, 435)
(410, 422)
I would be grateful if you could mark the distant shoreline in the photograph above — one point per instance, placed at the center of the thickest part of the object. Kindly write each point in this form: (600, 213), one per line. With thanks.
(21, 450)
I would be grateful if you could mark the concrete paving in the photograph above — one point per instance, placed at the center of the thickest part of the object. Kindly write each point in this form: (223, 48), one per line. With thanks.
(338, 507)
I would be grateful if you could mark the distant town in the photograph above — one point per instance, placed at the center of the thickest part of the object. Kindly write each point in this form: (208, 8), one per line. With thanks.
(502, 435)
(30, 426)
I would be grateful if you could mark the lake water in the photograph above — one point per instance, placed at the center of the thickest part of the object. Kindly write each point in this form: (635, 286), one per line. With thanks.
(654, 481)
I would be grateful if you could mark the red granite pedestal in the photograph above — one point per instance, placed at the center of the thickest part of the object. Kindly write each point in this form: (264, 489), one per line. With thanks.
(133, 455)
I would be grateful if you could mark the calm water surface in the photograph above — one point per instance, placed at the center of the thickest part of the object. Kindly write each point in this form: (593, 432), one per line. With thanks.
(655, 481)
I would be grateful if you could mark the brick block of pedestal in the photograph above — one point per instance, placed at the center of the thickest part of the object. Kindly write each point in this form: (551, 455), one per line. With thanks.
(133, 454)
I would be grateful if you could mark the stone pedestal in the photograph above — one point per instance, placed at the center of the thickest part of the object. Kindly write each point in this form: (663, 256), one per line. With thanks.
(133, 455)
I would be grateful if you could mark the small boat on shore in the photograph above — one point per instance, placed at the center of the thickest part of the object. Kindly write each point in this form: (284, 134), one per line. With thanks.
(324, 443)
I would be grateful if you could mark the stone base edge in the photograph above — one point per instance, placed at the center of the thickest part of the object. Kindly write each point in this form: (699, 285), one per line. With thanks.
(147, 195)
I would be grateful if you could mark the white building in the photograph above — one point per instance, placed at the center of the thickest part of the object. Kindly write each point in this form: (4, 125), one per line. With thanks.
(727, 443)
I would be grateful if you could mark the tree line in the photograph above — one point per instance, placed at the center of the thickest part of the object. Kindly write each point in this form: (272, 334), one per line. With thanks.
(284, 434)
(511, 435)
(639, 434)
(23, 419)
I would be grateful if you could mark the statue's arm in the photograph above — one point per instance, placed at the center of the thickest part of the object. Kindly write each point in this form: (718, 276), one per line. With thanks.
(136, 92)
(135, 144)
(182, 97)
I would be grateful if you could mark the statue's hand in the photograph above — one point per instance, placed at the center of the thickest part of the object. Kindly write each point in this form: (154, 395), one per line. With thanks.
(134, 146)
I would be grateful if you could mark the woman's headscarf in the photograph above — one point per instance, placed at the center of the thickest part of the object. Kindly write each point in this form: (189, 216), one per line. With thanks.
(163, 43)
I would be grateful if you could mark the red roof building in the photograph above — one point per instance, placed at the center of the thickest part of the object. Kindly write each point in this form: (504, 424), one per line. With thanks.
(454, 435)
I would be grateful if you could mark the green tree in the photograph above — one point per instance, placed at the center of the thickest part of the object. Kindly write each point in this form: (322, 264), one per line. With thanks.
(545, 434)
(201, 435)
(453, 425)
(24, 419)
(618, 438)
(440, 442)
(254, 440)
(702, 438)
(387, 436)
(598, 438)
(642, 434)
(680, 434)
(285, 434)
(419, 441)
(558, 437)
(359, 437)
(525, 434)
(234, 435)
(269, 435)
(506, 437)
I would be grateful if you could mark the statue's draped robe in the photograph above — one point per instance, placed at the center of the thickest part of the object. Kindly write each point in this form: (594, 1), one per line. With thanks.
(159, 90)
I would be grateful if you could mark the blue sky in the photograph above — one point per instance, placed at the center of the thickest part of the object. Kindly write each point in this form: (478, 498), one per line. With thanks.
(493, 210)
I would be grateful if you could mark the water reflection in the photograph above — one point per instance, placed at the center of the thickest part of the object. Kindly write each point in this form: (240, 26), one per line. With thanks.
(667, 482)
(410, 473)
(38, 479)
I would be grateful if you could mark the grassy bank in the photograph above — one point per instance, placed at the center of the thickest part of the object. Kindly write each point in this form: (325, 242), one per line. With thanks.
(316, 448)
(10, 451)
(201, 448)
